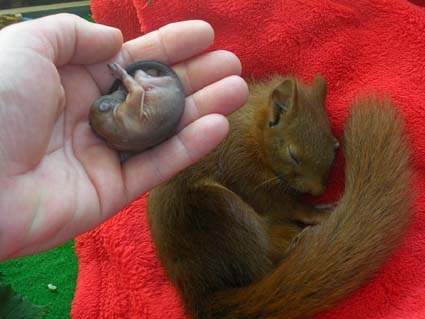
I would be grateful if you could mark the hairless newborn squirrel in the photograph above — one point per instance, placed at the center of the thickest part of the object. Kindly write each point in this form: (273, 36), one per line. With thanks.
(142, 109)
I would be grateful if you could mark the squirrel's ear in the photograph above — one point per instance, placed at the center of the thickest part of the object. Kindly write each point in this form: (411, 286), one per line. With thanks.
(321, 87)
(283, 100)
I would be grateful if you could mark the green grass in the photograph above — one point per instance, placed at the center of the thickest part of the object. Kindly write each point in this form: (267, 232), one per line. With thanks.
(29, 276)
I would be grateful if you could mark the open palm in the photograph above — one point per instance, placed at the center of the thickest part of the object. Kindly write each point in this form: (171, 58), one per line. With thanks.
(57, 179)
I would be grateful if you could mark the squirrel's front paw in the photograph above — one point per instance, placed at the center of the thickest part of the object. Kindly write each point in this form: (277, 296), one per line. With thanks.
(297, 239)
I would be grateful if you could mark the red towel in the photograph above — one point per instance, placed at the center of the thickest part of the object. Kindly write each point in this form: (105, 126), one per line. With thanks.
(360, 47)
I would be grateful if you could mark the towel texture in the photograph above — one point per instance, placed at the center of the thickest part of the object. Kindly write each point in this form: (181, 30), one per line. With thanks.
(360, 47)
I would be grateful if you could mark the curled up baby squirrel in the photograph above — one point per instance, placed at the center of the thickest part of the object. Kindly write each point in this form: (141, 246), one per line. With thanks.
(231, 230)
(142, 108)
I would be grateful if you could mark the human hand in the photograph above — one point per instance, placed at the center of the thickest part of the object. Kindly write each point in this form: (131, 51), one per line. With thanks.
(57, 179)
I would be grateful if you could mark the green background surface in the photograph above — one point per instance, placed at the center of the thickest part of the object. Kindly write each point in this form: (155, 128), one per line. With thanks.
(29, 276)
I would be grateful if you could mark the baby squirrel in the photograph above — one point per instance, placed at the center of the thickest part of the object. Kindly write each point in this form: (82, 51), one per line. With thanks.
(231, 230)
(142, 109)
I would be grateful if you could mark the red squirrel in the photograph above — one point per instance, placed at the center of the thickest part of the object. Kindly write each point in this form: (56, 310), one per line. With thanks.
(233, 232)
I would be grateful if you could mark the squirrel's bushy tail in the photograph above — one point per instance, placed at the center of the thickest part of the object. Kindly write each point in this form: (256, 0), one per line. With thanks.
(333, 259)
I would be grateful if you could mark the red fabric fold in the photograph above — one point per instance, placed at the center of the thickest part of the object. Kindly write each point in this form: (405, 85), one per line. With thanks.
(360, 47)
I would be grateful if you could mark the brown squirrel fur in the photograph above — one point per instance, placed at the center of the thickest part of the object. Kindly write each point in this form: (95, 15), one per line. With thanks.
(229, 230)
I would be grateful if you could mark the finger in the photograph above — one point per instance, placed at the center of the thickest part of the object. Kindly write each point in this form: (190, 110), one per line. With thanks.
(208, 68)
(170, 44)
(65, 38)
(195, 73)
(149, 169)
(223, 97)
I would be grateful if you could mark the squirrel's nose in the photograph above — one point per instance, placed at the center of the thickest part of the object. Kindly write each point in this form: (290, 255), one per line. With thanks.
(316, 189)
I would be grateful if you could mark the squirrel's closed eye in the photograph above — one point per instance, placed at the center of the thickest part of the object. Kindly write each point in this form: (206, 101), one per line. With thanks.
(293, 156)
